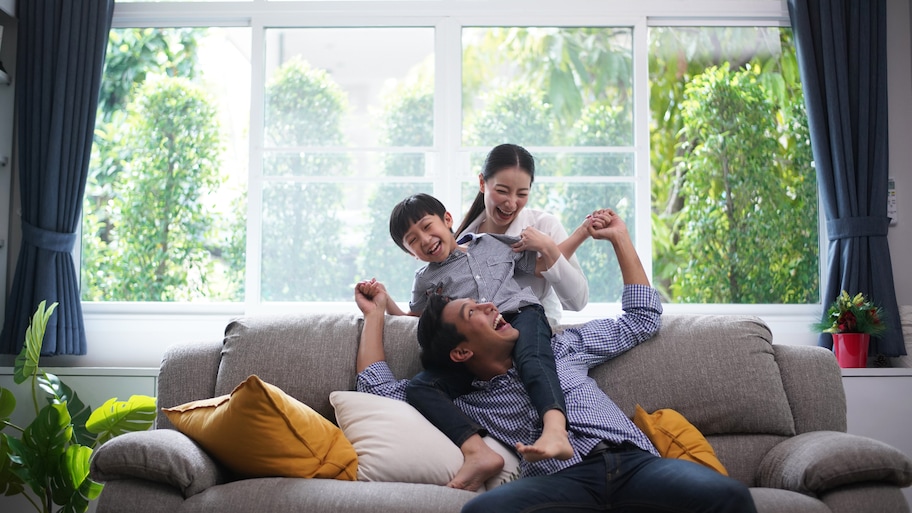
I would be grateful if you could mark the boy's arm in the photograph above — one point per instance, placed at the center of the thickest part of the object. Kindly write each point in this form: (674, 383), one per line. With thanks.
(392, 307)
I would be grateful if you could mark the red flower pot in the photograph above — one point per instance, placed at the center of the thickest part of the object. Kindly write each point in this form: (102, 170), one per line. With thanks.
(851, 349)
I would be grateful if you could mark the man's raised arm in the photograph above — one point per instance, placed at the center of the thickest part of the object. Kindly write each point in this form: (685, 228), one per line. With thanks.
(371, 297)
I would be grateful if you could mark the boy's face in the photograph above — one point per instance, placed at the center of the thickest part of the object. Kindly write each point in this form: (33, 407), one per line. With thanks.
(431, 238)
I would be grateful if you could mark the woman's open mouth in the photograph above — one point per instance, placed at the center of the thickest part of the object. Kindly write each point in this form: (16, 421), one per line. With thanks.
(504, 215)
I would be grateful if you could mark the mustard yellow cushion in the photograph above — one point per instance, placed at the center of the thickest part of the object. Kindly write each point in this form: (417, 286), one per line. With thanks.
(257, 431)
(675, 437)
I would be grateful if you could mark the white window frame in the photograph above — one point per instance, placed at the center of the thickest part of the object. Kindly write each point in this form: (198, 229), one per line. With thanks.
(181, 321)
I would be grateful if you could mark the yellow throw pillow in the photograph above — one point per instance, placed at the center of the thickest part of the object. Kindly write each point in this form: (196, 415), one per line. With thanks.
(675, 437)
(258, 431)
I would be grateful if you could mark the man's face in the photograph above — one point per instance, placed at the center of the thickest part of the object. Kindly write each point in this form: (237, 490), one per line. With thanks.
(486, 332)
(430, 238)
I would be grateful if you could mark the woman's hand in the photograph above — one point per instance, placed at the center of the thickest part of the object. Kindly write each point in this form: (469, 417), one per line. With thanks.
(533, 239)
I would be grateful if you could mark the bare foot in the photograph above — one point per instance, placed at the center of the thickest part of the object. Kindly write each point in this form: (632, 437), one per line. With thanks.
(549, 445)
(480, 463)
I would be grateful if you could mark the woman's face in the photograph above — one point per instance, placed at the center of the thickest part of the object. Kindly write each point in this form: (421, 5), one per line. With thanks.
(505, 194)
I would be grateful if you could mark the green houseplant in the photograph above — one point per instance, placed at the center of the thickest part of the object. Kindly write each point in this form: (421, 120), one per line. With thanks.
(852, 314)
(47, 461)
(852, 320)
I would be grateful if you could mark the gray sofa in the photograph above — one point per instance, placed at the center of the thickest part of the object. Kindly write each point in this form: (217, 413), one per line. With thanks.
(775, 415)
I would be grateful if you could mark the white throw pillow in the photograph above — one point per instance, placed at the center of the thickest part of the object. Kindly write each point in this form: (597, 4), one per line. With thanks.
(394, 442)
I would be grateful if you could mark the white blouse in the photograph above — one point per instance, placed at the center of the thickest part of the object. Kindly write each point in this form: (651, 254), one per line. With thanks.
(563, 286)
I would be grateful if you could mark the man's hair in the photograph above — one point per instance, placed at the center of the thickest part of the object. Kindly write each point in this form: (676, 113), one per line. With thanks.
(436, 337)
(410, 211)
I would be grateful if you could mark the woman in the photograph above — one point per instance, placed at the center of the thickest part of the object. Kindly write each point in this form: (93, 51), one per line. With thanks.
(499, 207)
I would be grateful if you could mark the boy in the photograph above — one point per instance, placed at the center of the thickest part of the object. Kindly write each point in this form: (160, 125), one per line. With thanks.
(482, 267)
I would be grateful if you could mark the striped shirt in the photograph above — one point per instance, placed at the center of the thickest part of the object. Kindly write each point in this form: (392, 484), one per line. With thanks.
(483, 272)
(503, 407)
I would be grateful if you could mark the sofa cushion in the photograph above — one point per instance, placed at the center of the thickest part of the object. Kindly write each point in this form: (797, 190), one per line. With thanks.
(813, 463)
(719, 371)
(395, 442)
(674, 437)
(259, 431)
(160, 455)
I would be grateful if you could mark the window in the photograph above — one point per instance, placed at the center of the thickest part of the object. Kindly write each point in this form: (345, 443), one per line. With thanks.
(254, 160)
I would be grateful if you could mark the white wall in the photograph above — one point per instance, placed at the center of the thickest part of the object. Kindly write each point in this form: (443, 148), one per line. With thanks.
(899, 73)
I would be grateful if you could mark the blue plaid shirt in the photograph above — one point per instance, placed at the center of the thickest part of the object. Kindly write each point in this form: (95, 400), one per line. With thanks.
(503, 407)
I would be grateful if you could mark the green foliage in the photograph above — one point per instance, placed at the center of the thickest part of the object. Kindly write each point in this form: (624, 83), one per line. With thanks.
(49, 461)
(135, 53)
(571, 67)
(160, 224)
(757, 217)
(302, 252)
(736, 195)
(149, 228)
(516, 113)
(852, 314)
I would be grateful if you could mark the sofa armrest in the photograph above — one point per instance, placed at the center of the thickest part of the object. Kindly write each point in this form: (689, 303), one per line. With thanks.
(814, 462)
(162, 455)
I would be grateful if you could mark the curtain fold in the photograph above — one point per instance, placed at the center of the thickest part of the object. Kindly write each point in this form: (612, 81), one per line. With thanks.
(60, 58)
(842, 55)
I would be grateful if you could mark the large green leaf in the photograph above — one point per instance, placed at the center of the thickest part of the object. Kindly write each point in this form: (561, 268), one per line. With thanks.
(43, 443)
(115, 417)
(10, 483)
(60, 393)
(27, 361)
(7, 405)
(72, 471)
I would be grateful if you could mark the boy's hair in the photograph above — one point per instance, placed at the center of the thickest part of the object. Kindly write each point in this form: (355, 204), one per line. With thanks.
(410, 211)
(436, 337)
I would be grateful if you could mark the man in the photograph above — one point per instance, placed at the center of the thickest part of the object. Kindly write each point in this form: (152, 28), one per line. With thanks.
(614, 467)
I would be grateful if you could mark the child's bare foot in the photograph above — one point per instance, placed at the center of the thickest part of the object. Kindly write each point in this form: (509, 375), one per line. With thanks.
(480, 463)
(549, 445)
(553, 442)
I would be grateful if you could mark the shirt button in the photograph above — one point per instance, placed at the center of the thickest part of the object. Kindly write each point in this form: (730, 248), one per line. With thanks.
(477, 277)
(484, 300)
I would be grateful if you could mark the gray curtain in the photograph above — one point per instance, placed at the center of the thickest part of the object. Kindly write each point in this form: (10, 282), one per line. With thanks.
(842, 54)
(60, 57)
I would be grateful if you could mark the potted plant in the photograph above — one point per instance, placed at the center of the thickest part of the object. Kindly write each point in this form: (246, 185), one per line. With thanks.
(852, 320)
(47, 461)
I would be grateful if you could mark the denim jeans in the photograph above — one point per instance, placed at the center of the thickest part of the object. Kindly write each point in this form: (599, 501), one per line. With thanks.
(624, 478)
(432, 391)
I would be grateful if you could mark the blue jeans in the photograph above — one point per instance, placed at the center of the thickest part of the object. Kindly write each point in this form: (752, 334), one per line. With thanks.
(432, 391)
(624, 478)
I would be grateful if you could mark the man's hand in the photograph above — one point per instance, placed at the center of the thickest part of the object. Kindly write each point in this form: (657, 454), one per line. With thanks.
(607, 225)
(370, 295)
(372, 299)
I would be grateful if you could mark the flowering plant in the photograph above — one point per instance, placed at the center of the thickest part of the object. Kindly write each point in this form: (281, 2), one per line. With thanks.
(852, 314)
